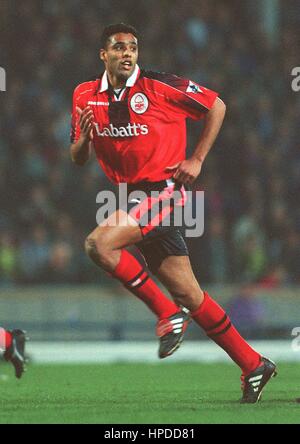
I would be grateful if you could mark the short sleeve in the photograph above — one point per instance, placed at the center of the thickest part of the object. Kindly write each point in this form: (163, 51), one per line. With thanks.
(192, 99)
(196, 100)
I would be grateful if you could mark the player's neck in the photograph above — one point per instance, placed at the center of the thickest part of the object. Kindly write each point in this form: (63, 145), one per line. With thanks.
(116, 82)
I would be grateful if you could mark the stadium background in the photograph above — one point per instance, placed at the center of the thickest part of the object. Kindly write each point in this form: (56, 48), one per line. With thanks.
(249, 256)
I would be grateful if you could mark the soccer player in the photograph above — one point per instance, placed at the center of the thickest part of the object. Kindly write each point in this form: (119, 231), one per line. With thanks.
(12, 343)
(135, 122)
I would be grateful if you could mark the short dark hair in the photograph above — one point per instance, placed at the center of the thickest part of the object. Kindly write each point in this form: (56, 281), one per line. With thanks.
(115, 29)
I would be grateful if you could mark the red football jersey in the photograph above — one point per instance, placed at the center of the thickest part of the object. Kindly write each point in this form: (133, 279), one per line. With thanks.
(141, 130)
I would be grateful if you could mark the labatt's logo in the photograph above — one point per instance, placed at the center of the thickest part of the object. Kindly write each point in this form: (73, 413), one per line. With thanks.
(131, 130)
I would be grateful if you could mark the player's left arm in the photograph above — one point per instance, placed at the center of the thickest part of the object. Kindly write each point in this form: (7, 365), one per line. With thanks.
(187, 171)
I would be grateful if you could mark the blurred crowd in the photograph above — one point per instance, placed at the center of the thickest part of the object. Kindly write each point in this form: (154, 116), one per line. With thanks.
(251, 177)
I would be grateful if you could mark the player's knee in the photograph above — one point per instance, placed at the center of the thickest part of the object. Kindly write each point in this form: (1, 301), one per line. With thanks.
(98, 252)
(91, 248)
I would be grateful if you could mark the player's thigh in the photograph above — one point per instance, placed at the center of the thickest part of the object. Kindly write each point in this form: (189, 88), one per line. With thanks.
(176, 274)
(117, 231)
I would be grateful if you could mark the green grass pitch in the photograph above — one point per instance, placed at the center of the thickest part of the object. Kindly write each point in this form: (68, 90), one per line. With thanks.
(163, 393)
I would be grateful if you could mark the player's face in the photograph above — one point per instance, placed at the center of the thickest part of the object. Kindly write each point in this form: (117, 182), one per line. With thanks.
(120, 55)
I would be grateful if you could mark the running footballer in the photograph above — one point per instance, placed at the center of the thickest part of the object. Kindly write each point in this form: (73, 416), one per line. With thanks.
(135, 121)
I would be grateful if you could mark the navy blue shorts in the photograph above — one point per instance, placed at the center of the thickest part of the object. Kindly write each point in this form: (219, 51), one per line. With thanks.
(160, 239)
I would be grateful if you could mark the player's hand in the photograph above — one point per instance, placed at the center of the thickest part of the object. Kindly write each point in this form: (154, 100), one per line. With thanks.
(86, 122)
(187, 171)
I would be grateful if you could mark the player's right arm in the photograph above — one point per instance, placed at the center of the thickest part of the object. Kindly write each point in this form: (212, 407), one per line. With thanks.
(82, 145)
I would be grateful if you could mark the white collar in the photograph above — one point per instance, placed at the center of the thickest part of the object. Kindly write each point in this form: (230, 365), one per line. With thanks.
(130, 81)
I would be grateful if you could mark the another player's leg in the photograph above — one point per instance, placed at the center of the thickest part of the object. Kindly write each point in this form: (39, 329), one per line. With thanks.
(106, 247)
(12, 343)
(183, 286)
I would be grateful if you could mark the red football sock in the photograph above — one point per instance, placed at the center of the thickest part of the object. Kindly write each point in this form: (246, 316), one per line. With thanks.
(130, 272)
(213, 319)
(5, 339)
(8, 339)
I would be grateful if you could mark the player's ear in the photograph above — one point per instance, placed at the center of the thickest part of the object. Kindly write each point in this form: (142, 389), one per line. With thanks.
(102, 55)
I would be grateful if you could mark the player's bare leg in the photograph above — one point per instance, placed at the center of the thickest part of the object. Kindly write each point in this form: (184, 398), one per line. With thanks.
(184, 288)
(105, 246)
(182, 285)
(105, 243)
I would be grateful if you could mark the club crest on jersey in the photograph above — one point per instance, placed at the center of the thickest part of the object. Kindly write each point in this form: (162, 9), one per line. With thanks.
(193, 88)
(139, 103)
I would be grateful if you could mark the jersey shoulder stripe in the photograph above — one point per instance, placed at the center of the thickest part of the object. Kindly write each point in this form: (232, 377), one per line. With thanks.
(91, 85)
(166, 78)
(192, 94)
